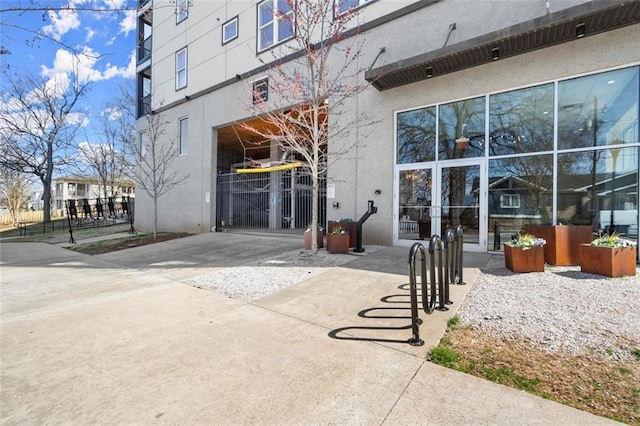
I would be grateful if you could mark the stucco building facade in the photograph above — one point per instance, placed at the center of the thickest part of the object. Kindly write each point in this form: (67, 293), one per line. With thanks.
(489, 114)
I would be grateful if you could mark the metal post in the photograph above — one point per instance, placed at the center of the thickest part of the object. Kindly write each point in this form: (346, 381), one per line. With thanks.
(132, 230)
(71, 239)
(429, 300)
(416, 249)
(449, 272)
(435, 245)
(458, 261)
(371, 209)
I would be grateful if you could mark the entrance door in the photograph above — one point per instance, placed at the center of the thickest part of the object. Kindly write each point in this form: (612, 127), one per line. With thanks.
(435, 198)
(460, 194)
(415, 207)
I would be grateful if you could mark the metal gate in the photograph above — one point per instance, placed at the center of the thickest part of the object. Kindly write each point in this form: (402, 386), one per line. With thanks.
(278, 201)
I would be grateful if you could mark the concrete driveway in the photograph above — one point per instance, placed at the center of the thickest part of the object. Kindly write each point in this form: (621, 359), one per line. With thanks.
(119, 338)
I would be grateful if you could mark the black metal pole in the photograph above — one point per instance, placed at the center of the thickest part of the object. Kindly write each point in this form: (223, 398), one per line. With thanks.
(458, 234)
(71, 239)
(371, 209)
(416, 249)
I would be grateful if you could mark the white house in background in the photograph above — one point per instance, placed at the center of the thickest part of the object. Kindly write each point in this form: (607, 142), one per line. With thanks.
(465, 93)
(79, 189)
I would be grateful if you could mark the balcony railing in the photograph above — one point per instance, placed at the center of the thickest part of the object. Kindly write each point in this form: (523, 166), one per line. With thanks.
(144, 106)
(144, 50)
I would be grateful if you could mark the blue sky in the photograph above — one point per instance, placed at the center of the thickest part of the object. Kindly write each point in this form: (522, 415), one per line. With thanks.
(105, 43)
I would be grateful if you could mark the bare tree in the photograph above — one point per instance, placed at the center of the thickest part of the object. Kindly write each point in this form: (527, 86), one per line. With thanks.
(108, 159)
(308, 93)
(38, 124)
(155, 152)
(13, 191)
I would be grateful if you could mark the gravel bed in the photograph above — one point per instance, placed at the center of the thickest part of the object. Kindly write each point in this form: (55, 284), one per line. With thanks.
(265, 276)
(559, 310)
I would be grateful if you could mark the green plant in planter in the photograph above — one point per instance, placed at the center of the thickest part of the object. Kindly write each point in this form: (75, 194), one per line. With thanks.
(527, 242)
(338, 230)
(613, 240)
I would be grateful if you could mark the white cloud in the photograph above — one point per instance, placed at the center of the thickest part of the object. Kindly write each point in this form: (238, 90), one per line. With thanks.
(129, 22)
(84, 66)
(90, 34)
(130, 71)
(112, 113)
(110, 41)
(62, 22)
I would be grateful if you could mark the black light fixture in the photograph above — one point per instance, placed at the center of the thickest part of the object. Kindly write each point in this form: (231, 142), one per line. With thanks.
(429, 72)
(495, 53)
(580, 30)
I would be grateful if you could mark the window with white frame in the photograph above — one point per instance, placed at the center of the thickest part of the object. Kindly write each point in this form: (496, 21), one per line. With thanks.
(182, 10)
(230, 30)
(343, 6)
(510, 201)
(184, 134)
(142, 144)
(260, 90)
(275, 22)
(181, 69)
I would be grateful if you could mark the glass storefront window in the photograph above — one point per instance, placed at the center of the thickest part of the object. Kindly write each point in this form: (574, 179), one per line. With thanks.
(416, 136)
(462, 129)
(599, 188)
(521, 121)
(520, 193)
(599, 109)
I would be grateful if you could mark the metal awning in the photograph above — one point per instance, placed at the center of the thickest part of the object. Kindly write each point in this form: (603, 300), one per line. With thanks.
(584, 20)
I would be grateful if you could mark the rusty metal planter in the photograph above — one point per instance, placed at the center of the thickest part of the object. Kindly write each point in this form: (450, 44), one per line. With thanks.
(338, 243)
(608, 261)
(519, 260)
(563, 242)
(307, 240)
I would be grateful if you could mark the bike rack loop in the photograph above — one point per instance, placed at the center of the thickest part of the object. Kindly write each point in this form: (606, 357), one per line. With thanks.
(449, 244)
(435, 245)
(416, 249)
(459, 238)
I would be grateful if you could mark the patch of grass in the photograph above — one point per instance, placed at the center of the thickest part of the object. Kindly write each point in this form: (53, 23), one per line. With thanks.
(507, 376)
(452, 323)
(593, 383)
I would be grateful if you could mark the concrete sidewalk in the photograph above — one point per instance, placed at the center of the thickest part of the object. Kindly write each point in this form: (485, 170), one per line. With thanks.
(118, 338)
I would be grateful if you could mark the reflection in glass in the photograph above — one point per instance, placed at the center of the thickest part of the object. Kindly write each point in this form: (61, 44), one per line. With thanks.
(462, 129)
(460, 201)
(417, 135)
(599, 188)
(414, 204)
(521, 121)
(598, 110)
(520, 193)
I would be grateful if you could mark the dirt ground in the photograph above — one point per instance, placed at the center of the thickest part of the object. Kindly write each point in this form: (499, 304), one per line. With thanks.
(122, 244)
(592, 383)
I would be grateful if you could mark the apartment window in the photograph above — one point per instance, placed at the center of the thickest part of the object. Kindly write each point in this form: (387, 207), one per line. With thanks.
(510, 201)
(275, 22)
(181, 69)
(182, 10)
(142, 144)
(184, 134)
(230, 30)
(260, 91)
(343, 6)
